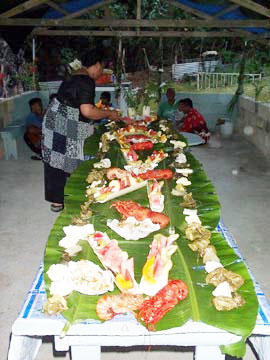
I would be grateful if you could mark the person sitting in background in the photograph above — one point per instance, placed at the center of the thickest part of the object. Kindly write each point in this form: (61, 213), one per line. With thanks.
(193, 121)
(104, 104)
(104, 101)
(33, 124)
(167, 108)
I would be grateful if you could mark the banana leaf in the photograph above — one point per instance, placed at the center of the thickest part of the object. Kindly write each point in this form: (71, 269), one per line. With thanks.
(186, 264)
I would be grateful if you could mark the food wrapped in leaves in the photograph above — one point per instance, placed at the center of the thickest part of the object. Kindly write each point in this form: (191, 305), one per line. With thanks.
(210, 253)
(86, 214)
(95, 175)
(54, 305)
(220, 274)
(199, 245)
(196, 231)
(104, 145)
(188, 202)
(78, 221)
(179, 190)
(225, 303)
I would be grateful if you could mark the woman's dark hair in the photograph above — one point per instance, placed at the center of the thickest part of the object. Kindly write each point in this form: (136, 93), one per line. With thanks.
(91, 57)
(52, 96)
(187, 102)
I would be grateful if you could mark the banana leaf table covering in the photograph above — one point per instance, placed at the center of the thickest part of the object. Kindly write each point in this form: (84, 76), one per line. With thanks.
(186, 266)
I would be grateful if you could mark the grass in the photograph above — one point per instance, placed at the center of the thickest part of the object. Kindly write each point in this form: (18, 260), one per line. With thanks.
(249, 89)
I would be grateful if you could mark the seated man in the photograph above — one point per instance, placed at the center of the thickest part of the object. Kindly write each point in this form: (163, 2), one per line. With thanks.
(33, 123)
(193, 121)
(167, 108)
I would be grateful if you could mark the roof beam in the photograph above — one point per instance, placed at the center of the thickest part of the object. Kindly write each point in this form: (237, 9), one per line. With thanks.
(191, 10)
(225, 11)
(164, 23)
(85, 10)
(139, 10)
(251, 5)
(208, 17)
(21, 8)
(186, 34)
(139, 13)
(77, 13)
(57, 7)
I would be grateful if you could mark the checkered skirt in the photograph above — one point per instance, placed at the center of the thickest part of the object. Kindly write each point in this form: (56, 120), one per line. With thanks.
(63, 137)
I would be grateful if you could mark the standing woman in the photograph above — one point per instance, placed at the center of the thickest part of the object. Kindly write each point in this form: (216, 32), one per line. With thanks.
(66, 126)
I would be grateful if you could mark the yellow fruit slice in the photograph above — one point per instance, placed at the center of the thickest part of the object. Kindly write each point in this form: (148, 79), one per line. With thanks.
(123, 283)
(148, 270)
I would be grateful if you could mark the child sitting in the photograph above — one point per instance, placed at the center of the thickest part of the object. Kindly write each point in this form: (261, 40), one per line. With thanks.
(104, 104)
(33, 124)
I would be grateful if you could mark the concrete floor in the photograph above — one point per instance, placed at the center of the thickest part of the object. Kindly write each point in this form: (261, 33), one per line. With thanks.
(26, 221)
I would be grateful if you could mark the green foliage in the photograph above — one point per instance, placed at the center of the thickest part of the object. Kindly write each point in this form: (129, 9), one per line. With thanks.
(258, 87)
(25, 76)
(150, 93)
(139, 97)
(133, 97)
(150, 9)
(240, 87)
(228, 56)
(68, 55)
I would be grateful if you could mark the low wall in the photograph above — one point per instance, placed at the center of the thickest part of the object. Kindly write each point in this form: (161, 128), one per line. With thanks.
(211, 106)
(15, 109)
(256, 115)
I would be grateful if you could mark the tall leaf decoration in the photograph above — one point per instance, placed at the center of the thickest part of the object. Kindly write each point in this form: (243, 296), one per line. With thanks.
(186, 264)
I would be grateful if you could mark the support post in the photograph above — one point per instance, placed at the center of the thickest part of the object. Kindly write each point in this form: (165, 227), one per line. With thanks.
(139, 14)
(33, 62)
(119, 69)
(160, 66)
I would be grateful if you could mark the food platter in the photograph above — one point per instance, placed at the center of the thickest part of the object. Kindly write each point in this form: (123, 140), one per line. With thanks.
(187, 264)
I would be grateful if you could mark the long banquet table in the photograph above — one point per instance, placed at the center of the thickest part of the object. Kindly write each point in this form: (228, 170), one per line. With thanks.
(88, 337)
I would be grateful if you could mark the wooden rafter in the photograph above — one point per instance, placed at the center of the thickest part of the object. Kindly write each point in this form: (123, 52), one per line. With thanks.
(139, 10)
(202, 15)
(56, 7)
(85, 10)
(191, 10)
(133, 27)
(164, 23)
(22, 7)
(139, 13)
(182, 34)
(251, 5)
(225, 11)
(78, 13)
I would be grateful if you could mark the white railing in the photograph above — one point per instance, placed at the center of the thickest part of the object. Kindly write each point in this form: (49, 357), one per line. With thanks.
(206, 80)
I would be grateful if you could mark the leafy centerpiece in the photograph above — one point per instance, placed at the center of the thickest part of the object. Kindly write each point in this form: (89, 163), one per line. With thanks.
(142, 101)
